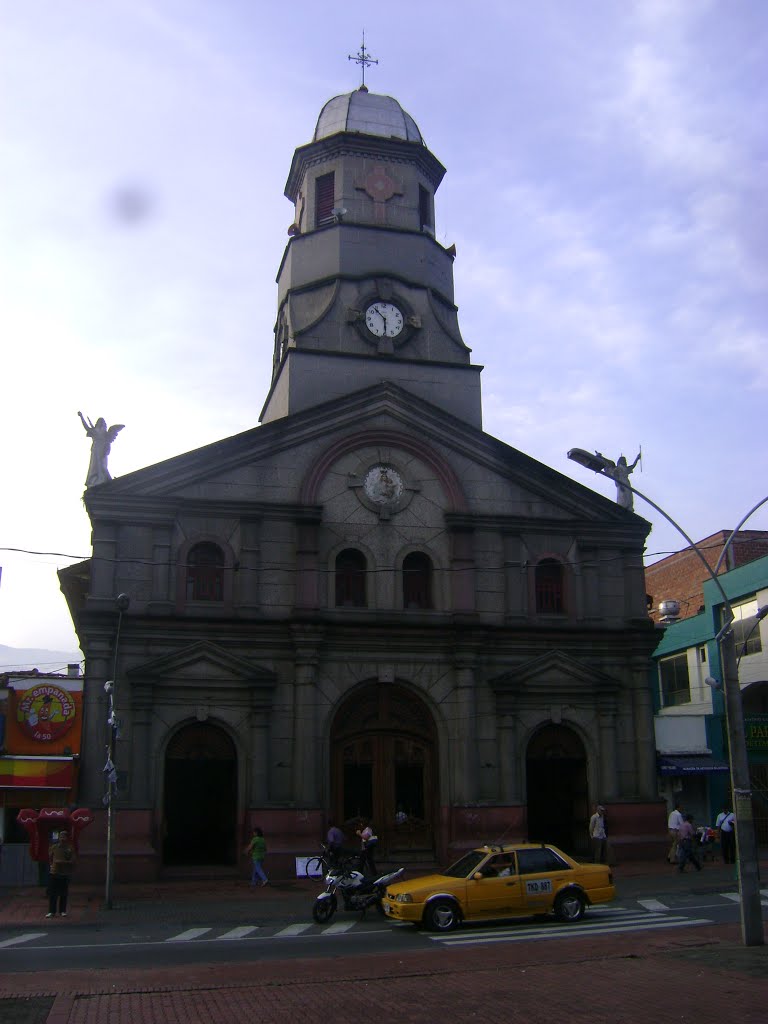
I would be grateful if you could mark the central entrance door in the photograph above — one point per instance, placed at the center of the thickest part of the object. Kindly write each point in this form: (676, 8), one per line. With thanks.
(384, 768)
(200, 797)
(558, 807)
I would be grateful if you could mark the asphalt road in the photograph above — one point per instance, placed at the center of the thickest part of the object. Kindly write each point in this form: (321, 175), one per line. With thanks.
(61, 945)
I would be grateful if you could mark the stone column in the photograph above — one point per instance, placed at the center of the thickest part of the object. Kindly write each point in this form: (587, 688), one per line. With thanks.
(307, 582)
(93, 747)
(645, 739)
(608, 780)
(259, 773)
(509, 772)
(250, 564)
(464, 729)
(306, 770)
(142, 755)
(462, 571)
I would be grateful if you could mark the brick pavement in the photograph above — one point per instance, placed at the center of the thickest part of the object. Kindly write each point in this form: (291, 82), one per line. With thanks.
(666, 976)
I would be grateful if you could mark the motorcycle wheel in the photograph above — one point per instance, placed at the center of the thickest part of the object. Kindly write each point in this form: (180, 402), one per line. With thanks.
(380, 908)
(323, 910)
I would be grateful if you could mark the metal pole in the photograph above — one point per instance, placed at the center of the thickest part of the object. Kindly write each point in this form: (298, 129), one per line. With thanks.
(746, 842)
(123, 602)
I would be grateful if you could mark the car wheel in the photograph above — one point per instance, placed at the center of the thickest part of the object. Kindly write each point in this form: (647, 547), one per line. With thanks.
(569, 906)
(442, 916)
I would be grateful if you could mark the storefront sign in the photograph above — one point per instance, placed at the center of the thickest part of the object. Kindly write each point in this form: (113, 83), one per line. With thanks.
(756, 733)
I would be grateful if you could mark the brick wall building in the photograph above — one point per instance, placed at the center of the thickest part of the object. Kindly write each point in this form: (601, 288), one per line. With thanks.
(681, 576)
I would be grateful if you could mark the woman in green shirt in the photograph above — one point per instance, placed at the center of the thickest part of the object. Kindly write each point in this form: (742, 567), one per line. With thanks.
(258, 851)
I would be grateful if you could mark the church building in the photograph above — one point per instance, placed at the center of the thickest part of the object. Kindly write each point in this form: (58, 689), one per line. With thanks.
(365, 606)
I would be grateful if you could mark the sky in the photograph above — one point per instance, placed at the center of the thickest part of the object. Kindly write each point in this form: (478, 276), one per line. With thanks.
(605, 190)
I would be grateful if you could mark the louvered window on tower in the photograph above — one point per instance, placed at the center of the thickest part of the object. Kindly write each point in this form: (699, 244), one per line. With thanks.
(324, 196)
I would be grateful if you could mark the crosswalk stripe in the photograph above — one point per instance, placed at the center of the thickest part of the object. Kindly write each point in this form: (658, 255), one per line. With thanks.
(339, 928)
(621, 917)
(292, 929)
(188, 935)
(736, 897)
(239, 933)
(653, 905)
(640, 925)
(26, 937)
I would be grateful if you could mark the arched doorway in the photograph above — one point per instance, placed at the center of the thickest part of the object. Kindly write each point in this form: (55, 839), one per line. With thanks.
(557, 797)
(200, 803)
(384, 767)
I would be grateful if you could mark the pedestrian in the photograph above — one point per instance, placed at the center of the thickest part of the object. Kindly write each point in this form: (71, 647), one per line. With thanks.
(61, 859)
(686, 835)
(673, 825)
(368, 841)
(335, 841)
(257, 848)
(598, 836)
(726, 822)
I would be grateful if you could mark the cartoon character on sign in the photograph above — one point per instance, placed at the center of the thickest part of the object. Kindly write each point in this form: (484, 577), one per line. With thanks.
(45, 712)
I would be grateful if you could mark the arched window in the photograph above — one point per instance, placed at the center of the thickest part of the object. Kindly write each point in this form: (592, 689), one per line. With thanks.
(205, 573)
(550, 589)
(417, 580)
(350, 579)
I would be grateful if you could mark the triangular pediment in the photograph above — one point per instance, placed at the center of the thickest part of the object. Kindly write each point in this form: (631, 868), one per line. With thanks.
(203, 665)
(554, 676)
(219, 473)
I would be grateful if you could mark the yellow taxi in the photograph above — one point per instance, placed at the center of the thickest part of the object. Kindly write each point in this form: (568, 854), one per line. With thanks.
(513, 880)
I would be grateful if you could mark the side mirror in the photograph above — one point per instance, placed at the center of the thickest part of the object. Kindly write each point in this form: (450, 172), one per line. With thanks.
(477, 876)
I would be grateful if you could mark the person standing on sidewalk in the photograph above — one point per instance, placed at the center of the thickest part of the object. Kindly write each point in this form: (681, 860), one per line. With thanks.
(258, 851)
(368, 841)
(598, 836)
(726, 823)
(61, 857)
(686, 836)
(673, 825)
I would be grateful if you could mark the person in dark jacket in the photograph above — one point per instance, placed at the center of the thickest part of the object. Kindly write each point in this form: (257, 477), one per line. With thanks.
(61, 858)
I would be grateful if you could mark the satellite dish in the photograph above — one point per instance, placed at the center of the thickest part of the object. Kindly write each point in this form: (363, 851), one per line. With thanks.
(339, 211)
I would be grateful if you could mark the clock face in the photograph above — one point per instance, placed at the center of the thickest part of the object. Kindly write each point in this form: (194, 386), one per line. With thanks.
(384, 320)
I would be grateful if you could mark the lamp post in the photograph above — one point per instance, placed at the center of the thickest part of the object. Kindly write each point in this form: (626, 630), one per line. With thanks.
(746, 844)
(123, 603)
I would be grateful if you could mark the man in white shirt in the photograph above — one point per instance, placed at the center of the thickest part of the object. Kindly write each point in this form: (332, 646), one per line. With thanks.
(725, 822)
(674, 822)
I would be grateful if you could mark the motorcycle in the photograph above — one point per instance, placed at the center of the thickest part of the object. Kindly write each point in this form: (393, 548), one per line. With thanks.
(357, 892)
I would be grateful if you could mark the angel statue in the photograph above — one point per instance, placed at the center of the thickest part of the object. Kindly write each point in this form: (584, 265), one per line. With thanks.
(102, 437)
(620, 472)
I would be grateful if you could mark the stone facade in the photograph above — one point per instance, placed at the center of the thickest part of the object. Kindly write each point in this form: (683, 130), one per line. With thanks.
(365, 607)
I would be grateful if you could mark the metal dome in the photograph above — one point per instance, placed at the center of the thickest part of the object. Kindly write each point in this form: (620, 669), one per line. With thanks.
(367, 113)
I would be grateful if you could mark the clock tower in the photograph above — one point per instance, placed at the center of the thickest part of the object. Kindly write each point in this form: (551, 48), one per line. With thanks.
(365, 291)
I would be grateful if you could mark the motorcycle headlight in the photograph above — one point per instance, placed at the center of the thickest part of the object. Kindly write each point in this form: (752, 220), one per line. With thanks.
(403, 897)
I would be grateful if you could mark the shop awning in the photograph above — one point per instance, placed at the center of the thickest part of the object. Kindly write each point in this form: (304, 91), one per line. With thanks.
(36, 772)
(690, 764)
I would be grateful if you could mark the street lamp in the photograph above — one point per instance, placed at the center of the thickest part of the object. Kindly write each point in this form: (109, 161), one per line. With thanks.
(746, 844)
(123, 603)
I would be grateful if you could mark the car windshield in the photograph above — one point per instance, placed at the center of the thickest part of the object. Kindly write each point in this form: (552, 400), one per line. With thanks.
(466, 865)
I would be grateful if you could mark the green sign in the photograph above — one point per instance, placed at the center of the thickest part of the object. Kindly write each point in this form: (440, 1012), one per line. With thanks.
(756, 733)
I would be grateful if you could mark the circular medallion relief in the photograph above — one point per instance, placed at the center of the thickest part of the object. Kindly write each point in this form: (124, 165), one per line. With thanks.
(383, 485)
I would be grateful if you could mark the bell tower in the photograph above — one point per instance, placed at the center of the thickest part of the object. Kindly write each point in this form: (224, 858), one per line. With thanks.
(365, 292)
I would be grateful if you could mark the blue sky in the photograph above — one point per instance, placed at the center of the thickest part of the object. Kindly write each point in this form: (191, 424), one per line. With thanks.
(606, 159)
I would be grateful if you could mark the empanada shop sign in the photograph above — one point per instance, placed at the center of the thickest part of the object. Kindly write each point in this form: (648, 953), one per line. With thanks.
(45, 712)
